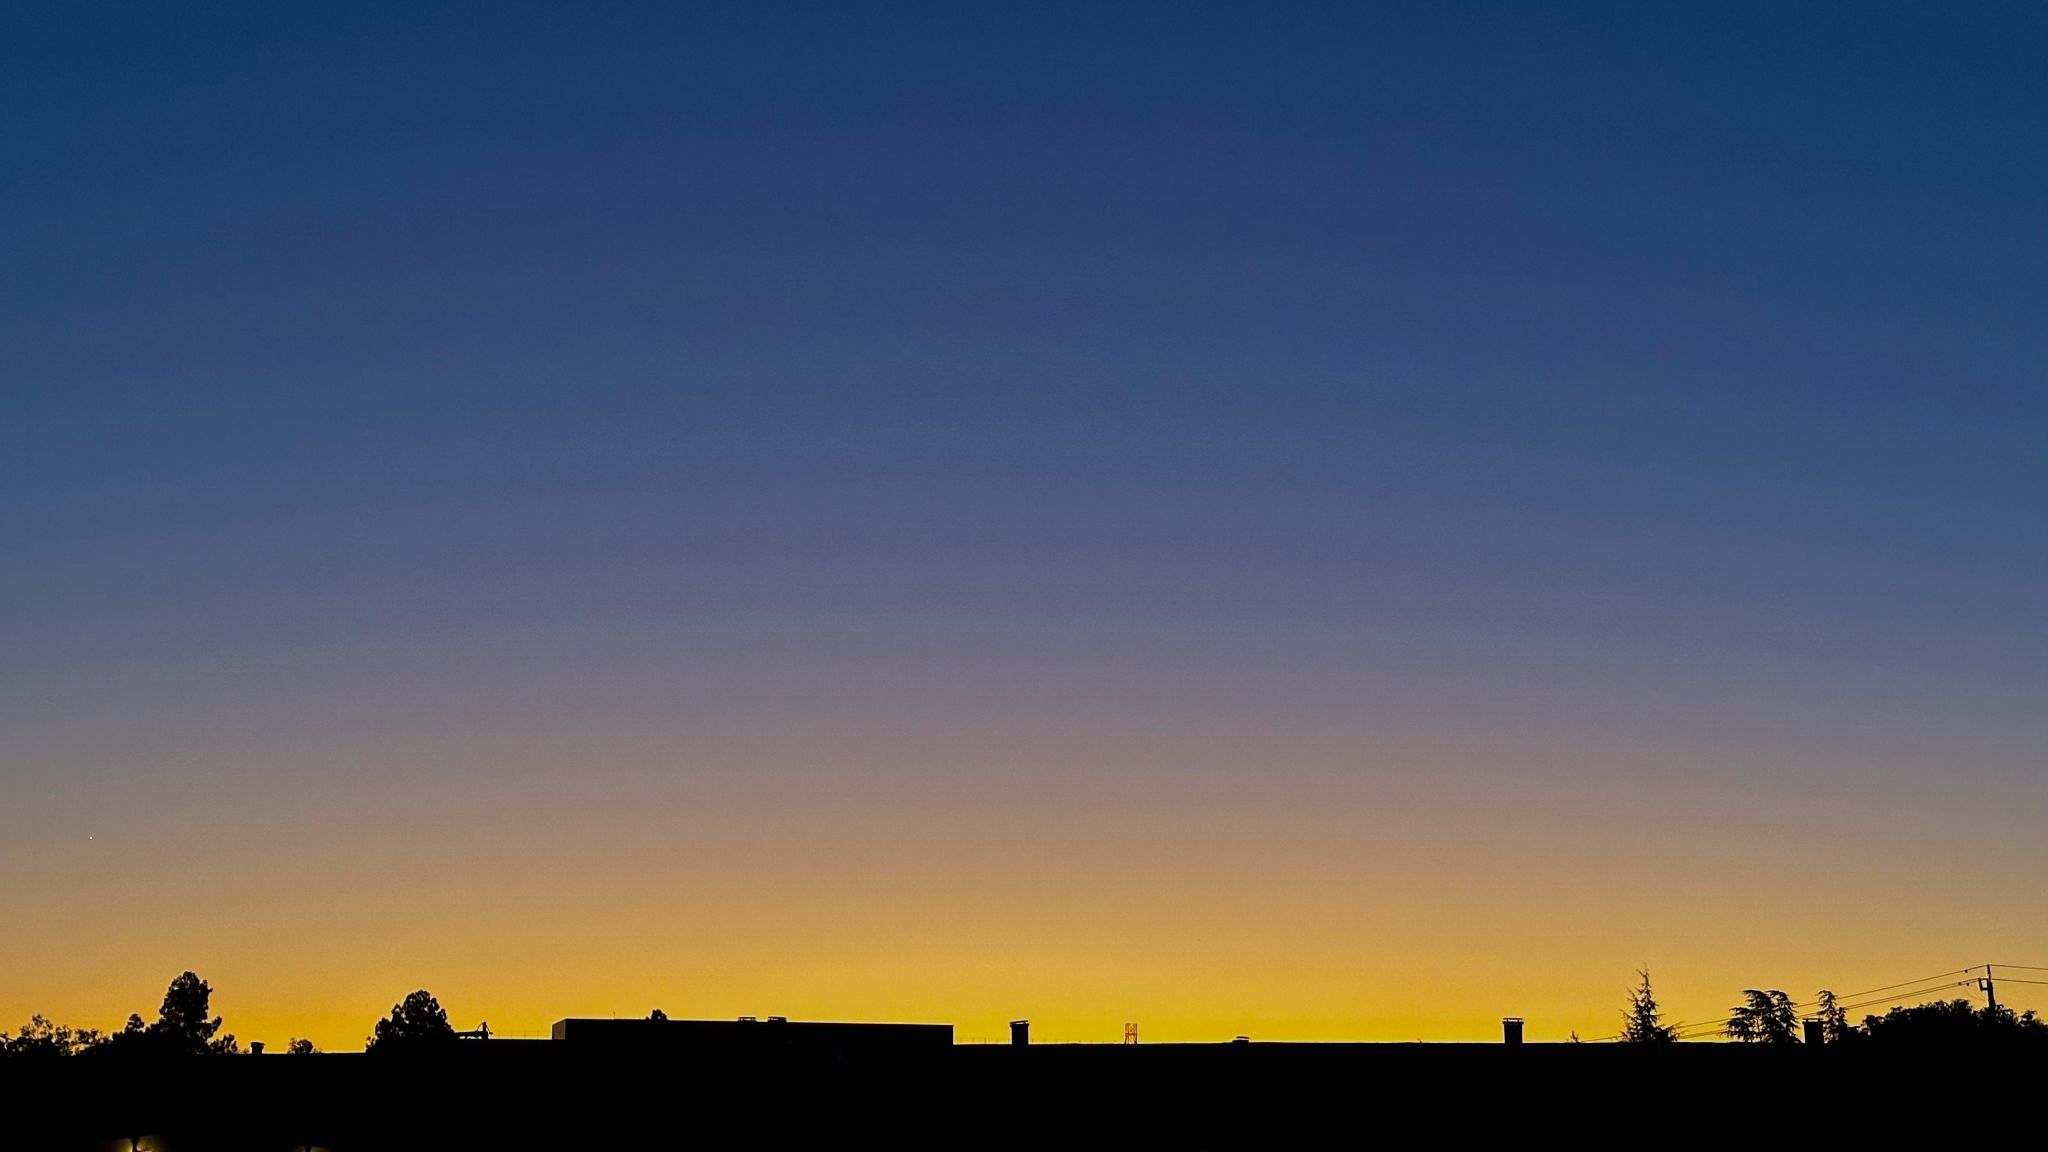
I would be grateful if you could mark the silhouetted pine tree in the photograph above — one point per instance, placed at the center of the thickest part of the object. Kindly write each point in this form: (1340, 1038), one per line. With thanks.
(182, 1024)
(1766, 1017)
(1834, 1023)
(1642, 1022)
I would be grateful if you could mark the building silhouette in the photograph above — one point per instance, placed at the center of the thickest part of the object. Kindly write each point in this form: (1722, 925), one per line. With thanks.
(660, 1036)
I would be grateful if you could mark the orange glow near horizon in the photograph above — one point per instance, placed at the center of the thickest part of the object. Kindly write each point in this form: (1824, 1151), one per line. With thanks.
(1370, 891)
(1335, 522)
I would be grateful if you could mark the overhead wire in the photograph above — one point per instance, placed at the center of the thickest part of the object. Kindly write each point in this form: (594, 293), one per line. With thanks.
(1904, 990)
(1904, 983)
(1916, 994)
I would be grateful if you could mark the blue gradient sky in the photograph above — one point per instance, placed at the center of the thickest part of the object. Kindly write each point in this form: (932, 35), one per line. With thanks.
(1599, 444)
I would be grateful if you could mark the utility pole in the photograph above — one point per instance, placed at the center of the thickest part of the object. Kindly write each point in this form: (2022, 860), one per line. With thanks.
(1990, 992)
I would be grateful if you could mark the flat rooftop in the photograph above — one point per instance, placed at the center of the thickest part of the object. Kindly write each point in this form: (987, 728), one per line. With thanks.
(772, 1032)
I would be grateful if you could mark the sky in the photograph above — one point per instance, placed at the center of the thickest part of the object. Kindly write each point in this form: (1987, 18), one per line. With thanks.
(1309, 521)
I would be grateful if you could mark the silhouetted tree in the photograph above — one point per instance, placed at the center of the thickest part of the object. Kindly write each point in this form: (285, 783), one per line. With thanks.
(39, 1039)
(182, 1024)
(1834, 1023)
(1642, 1022)
(1765, 1018)
(417, 1019)
(300, 1047)
(1954, 1022)
(657, 1014)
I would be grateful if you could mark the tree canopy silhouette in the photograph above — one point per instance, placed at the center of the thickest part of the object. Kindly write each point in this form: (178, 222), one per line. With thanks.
(1642, 1021)
(1766, 1017)
(1953, 1022)
(40, 1039)
(417, 1019)
(183, 1027)
(1834, 1023)
(182, 1024)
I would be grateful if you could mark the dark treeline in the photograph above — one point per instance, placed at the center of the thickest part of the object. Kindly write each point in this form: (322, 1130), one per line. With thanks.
(184, 1026)
(423, 1086)
(1770, 1016)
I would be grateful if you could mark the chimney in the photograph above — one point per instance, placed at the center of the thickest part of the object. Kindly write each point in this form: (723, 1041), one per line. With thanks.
(1020, 1033)
(1511, 1030)
(255, 1047)
(1814, 1032)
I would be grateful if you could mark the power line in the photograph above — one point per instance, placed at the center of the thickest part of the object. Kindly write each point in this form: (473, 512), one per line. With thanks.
(1803, 1005)
(1917, 993)
(1904, 990)
(1904, 983)
(1924, 986)
(1901, 1001)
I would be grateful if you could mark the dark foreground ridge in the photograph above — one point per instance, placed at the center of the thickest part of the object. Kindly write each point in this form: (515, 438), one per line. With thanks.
(639, 1084)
